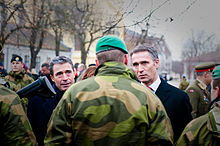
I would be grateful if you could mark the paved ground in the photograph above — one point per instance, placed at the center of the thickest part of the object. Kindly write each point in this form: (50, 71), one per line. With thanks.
(174, 83)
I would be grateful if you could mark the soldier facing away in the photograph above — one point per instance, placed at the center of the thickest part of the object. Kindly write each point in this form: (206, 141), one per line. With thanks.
(110, 108)
(198, 91)
(14, 125)
(183, 84)
(205, 130)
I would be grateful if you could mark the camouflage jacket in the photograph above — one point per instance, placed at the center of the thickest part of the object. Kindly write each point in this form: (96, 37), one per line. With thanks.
(204, 130)
(8, 84)
(199, 99)
(15, 127)
(20, 79)
(111, 108)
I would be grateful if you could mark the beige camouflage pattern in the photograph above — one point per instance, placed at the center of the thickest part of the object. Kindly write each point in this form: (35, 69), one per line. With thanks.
(15, 127)
(20, 79)
(204, 131)
(111, 108)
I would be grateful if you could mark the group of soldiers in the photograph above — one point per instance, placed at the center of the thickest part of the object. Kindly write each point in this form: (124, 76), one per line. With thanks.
(111, 104)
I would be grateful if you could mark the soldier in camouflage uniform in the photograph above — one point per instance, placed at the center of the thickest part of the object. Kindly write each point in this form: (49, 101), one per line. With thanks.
(205, 130)
(18, 75)
(110, 108)
(198, 91)
(184, 84)
(15, 128)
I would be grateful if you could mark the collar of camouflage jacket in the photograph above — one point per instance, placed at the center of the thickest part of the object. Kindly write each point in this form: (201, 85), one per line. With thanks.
(17, 75)
(214, 119)
(115, 69)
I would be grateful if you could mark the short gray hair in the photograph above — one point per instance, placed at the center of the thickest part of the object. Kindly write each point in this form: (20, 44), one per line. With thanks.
(143, 48)
(60, 60)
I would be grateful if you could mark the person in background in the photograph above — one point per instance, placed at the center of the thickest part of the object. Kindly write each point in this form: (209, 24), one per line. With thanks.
(89, 72)
(183, 84)
(205, 130)
(110, 108)
(45, 71)
(145, 63)
(34, 74)
(3, 72)
(81, 68)
(18, 75)
(41, 108)
(198, 91)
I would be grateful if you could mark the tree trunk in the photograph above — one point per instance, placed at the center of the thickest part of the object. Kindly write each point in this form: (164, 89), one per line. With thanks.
(57, 40)
(32, 48)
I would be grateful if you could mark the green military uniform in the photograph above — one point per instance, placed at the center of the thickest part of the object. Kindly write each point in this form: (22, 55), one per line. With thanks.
(8, 84)
(20, 79)
(199, 98)
(183, 84)
(198, 91)
(15, 127)
(204, 130)
(111, 108)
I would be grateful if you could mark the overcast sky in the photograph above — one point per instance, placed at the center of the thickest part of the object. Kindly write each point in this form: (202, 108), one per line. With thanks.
(186, 15)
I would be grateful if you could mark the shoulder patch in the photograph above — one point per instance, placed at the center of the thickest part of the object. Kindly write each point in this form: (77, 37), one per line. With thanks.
(191, 90)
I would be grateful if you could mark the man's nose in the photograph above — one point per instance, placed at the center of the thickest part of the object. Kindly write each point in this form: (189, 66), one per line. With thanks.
(65, 76)
(140, 68)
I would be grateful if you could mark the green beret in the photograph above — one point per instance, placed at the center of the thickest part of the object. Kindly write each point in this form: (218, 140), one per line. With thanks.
(16, 58)
(216, 72)
(207, 66)
(110, 42)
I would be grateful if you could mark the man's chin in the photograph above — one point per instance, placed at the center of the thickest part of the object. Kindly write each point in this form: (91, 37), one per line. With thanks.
(64, 88)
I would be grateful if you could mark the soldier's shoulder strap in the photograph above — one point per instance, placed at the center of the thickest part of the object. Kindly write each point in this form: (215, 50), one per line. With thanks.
(214, 118)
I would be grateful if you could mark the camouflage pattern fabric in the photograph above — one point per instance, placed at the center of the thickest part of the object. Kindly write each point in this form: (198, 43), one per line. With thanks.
(15, 127)
(111, 108)
(20, 79)
(199, 99)
(8, 84)
(204, 130)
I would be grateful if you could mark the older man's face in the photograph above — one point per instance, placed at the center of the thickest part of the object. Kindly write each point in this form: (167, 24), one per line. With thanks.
(16, 66)
(63, 76)
(145, 67)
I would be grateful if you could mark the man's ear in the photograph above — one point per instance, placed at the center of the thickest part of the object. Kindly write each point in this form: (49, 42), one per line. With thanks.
(52, 78)
(125, 61)
(157, 63)
(218, 91)
(96, 62)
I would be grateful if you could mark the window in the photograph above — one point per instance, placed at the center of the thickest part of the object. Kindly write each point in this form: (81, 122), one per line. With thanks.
(37, 64)
(26, 60)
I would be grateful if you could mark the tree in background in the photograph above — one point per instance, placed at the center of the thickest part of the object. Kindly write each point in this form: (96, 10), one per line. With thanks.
(82, 20)
(199, 43)
(10, 19)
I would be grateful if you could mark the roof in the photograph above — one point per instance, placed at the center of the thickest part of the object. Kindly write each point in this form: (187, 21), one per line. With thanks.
(160, 45)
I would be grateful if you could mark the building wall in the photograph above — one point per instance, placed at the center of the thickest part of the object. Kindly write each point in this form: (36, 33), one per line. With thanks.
(43, 56)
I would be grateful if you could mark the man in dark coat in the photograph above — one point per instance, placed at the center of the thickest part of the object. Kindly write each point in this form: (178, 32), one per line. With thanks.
(145, 63)
(41, 108)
